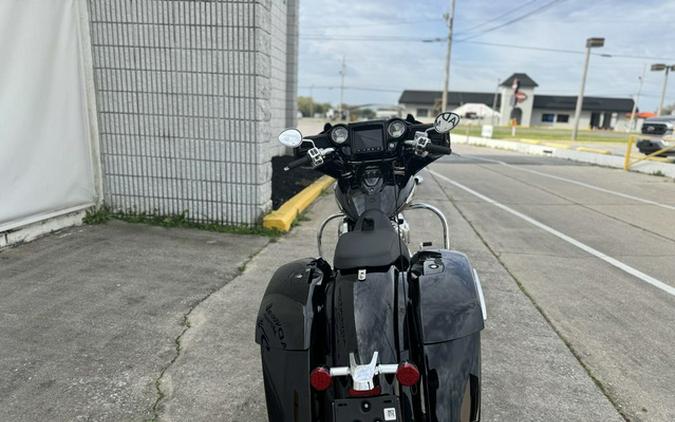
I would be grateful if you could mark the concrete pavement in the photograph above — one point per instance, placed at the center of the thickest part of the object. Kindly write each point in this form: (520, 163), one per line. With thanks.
(529, 373)
(568, 337)
(619, 326)
(89, 316)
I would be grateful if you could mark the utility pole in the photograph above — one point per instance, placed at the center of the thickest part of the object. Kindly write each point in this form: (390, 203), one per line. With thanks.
(311, 103)
(342, 86)
(657, 68)
(637, 100)
(590, 43)
(450, 16)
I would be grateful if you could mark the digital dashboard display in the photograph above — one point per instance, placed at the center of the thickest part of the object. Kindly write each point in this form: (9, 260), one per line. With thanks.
(368, 140)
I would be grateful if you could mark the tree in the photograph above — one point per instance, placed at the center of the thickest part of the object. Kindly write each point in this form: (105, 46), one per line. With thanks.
(307, 106)
(668, 109)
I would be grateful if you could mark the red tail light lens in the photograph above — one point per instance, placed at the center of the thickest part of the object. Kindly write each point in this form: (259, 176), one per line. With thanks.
(407, 374)
(367, 393)
(320, 378)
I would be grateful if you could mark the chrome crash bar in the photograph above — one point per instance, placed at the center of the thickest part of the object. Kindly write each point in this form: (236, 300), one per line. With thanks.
(323, 226)
(439, 214)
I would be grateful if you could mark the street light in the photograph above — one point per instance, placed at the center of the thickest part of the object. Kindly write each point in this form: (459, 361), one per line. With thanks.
(657, 68)
(590, 43)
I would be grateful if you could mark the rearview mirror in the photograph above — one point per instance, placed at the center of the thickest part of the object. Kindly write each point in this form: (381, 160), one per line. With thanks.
(291, 138)
(445, 122)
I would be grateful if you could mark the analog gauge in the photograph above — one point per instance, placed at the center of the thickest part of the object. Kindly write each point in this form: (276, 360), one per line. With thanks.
(339, 134)
(396, 128)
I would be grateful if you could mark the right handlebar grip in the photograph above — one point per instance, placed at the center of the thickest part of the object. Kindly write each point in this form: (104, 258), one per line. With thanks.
(297, 163)
(438, 149)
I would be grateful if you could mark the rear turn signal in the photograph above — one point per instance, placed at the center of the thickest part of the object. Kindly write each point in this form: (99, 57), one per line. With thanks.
(407, 374)
(320, 378)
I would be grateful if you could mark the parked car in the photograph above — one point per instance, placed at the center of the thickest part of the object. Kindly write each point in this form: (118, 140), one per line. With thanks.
(657, 128)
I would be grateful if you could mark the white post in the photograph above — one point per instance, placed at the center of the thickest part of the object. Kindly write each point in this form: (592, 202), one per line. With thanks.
(580, 98)
(636, 101)
(663, 91)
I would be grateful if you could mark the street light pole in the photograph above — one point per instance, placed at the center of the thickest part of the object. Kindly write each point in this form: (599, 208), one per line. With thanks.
(590, 43)
(636, 100)
(663, 90)
(450, 17)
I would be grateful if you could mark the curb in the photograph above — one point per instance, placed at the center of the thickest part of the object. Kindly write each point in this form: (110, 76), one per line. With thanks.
(594, 150)
(282, 218)
(615, 161)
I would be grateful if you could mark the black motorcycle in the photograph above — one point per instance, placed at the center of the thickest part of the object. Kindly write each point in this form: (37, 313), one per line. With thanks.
(382, 335)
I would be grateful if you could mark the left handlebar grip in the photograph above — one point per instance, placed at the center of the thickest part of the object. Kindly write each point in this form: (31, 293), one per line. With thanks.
(297, 163)
(438, 149)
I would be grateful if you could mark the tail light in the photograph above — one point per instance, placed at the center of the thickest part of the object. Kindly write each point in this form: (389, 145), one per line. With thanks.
(407, 374)
(365, 393)
(320, 378)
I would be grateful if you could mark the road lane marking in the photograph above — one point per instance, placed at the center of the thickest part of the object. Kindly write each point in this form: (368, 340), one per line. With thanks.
(575, 182)
(612, 261)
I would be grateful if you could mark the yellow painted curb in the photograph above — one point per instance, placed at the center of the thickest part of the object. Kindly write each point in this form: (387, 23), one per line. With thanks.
(556, 145)
(283, 218)
(594, 150)
(530, 141)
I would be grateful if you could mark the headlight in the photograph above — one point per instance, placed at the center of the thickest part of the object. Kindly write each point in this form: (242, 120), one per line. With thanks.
(396, 128)
(339, 134)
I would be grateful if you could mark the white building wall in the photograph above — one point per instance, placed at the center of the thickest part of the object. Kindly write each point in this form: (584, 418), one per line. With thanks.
(189, 94)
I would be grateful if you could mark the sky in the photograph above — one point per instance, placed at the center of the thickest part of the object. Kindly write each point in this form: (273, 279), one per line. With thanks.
(384, 54)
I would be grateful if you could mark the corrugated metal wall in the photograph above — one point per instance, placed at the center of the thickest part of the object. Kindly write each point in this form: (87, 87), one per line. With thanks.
(188, 96)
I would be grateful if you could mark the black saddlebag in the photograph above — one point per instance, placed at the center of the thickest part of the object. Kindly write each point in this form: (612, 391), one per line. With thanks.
(451, 317)
(288, 316)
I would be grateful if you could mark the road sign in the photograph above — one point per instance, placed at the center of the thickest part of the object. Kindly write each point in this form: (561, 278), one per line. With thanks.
(520, 96)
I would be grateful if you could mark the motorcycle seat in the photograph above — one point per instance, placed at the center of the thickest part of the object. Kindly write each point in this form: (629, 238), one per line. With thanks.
(374, 242)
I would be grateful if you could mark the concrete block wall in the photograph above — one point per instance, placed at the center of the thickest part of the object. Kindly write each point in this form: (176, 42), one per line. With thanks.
(189, 96)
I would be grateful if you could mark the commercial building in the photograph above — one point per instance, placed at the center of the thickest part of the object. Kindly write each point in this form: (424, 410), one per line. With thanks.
(531, 109)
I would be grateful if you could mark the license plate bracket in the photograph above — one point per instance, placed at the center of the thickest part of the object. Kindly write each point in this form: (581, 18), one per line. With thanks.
(367, 409)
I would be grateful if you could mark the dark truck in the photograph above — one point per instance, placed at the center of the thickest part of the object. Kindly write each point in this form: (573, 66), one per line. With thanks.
(657, 128)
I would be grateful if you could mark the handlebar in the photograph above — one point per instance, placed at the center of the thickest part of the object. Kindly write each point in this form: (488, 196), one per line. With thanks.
(438, 149)
(297, 163)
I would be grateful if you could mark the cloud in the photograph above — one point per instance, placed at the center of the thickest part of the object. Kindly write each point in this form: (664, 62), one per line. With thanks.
(630, 28)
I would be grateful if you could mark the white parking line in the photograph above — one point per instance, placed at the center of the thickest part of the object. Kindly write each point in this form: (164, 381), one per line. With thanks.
(608, 259)
(575, 182)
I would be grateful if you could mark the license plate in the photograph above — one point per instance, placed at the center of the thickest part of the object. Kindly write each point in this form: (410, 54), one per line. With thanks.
(367, 409)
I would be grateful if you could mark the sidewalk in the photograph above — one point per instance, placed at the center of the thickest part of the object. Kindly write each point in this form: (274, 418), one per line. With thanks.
(89, 316)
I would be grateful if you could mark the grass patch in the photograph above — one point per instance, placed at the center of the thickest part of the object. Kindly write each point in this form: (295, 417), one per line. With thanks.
(545, 134)
(104, 214)
(659, 173)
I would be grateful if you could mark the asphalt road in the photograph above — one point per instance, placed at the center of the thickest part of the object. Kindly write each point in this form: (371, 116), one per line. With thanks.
(594, 251)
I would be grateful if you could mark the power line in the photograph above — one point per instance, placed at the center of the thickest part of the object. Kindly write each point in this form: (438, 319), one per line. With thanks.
(384, 23)
(501, 15)
(351, 88)
(514, 20)
(384, 38)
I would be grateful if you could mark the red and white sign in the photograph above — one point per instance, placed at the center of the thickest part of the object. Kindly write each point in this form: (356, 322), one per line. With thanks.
(520, 96)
